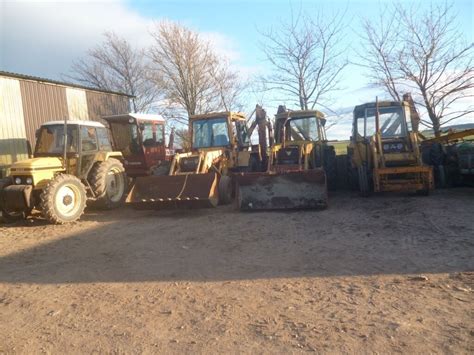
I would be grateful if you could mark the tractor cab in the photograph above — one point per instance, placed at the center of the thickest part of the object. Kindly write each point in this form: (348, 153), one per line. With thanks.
(222, 129)
(299, 134)
(384, 149)
(141, 139)
(300, 126)
(394, 130)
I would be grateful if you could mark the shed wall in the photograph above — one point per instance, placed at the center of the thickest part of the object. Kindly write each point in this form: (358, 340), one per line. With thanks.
(26, 104)
(13, 143)
(101, 104)
(77, 104)
(42, 103)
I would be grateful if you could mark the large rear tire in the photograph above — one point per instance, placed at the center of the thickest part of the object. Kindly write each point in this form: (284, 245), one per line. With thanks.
(163, 169)
(254, 164)
(330, 166)
(107, 180)
(363, 180)
(63, 200)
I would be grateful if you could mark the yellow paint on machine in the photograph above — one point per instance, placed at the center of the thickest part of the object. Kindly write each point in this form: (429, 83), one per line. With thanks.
(77, 104)
(13, 142)
(42, 170)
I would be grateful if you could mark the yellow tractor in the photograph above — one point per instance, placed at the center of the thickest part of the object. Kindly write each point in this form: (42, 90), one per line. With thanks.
(202, 177)
(66, 170)
(298, 164)
(384, 149)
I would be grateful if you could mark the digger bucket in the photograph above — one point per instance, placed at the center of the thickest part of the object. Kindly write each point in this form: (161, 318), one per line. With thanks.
(285, 190)
(174, 191)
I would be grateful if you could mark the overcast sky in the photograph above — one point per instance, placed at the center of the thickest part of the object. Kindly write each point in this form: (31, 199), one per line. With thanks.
(43, 38)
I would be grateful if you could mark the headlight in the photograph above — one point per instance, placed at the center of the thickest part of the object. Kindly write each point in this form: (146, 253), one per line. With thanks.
(29, 181)
(17, 181)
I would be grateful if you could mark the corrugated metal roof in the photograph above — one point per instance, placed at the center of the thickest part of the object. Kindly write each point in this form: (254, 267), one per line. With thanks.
(61, 83)
(138, 116)
(75, 122)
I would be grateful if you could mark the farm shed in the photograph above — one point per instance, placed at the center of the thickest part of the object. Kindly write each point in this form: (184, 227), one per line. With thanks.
(26, 102)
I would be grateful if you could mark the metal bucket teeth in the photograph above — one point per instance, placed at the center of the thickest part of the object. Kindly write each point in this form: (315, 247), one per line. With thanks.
(287, 190)
(174, 191)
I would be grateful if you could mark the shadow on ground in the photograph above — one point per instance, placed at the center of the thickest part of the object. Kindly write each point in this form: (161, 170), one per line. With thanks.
(386, 235)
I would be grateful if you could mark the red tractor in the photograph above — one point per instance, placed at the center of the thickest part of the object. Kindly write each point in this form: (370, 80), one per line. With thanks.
(141, 139)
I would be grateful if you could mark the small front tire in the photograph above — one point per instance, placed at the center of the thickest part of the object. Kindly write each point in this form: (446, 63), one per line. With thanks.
(12, 217)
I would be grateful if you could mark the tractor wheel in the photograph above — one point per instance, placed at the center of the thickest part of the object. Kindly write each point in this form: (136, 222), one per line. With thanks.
(107, 180)
(440, 176)
(63, 200)
(225, 190)
(163, 169)
(10, 216)
(363, 180)
(330, 166)
(437, 154)
(254, 164)
(424, 192)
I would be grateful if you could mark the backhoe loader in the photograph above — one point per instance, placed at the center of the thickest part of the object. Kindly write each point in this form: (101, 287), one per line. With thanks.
(384, 149)
(295, 176)
(203, 176)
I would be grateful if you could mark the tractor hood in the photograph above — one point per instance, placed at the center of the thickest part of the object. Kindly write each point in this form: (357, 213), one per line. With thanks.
(34, 164)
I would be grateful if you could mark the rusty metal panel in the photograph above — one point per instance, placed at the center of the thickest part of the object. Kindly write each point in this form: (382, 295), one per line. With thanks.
(77, 104)
(102, 104)
(282, 190)
(174, 191)
(13, 143)
(41, 103)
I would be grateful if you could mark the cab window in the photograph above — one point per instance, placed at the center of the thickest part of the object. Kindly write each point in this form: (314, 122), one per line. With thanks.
(88, 139)
(160, 134)
(147, 134)
(103, 137)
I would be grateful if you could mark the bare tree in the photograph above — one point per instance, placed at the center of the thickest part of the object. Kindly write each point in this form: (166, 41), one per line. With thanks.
(191, 75)
(379, 52)
(115, 65)
(184, 139)
(228, 84)
(306, 57)
(421, 50)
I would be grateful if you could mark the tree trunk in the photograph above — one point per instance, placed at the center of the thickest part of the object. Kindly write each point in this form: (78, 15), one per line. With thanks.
(436, 126)
(435, 120)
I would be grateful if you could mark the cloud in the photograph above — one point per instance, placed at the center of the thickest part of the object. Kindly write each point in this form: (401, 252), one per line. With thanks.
(43, 38)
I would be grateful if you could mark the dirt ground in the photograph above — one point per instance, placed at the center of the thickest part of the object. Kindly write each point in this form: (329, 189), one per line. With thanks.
(384, 274)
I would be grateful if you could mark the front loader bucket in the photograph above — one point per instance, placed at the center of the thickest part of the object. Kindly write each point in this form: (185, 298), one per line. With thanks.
(286, 190)
(174, 191)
